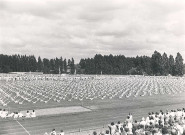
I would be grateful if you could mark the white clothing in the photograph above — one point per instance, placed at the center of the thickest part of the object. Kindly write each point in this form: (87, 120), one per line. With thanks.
(53, 133)
(20, 115)
(16, 116)
(28, 115)
(62, 133)
(33, 115)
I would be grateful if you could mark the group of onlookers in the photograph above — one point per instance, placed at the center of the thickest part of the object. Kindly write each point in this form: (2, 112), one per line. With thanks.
(5, 114)
(159, 123)
(53, 132)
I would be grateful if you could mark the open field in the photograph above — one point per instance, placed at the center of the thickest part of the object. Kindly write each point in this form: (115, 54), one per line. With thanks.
(109, 98)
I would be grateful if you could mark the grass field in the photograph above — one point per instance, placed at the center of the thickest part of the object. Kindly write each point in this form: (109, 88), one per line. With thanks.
(103, 111)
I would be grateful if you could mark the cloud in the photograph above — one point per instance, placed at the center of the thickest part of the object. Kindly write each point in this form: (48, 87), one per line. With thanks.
(80, 29)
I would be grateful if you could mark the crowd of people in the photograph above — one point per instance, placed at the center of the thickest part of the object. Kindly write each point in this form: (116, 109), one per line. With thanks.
(15, 115)
(53, 132)
(158, 123)
(86, 88)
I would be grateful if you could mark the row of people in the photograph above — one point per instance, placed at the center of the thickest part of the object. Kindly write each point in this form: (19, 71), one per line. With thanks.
(53, 132)
(5, 114)
(87, 89)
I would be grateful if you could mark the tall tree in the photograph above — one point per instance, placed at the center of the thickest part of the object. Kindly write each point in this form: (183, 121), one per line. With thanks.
(46, 64)
(57, 66)
(98, 61)
(32, 63)
(40, 65)
(157, 63)
(65, 66)
(165, 64)
(179, 65)
(72, 66)
(171, 65)
(52, 65)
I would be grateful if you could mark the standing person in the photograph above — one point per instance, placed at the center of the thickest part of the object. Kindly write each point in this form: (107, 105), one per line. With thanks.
(143, 122)
(131, 117)
(20, 115)
(112, 128)
(33, 115)
(61, 132)
(53, 132)
(94, 133)
(27, 114)
(107, 132)
(119, 125)
(123, 132)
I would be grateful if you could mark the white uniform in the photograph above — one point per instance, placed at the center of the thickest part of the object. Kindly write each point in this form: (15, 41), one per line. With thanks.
(27, 115)
(62, 133)
(33, 115)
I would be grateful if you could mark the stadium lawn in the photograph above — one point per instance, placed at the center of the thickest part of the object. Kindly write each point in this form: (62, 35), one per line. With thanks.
(103, 112)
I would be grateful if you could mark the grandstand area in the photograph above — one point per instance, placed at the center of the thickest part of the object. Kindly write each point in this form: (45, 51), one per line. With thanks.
(90, 101)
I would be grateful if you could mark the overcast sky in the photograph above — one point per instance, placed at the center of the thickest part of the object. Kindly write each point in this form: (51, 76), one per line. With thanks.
(83, 28)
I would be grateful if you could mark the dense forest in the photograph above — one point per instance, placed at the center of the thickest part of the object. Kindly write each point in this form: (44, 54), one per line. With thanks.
(23, 63)
(157, 64)
(141, 65)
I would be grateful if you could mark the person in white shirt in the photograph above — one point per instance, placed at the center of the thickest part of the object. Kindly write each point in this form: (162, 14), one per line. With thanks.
(161, 116)
(20, 115)
(172, 113)
(107, 132)
(156, 119)
(131, 117)
(178, 114)
(61, 132)
(143, 122)
(129, 126)
(4, 113)
(112, 127)
(152, 121)
(153, 114)
(119, 125)
(33, 115)
(1, 112)
(16, 115)
(53, 132)
(11, 115)
(27, 114)
(179, 128)
(147, 120)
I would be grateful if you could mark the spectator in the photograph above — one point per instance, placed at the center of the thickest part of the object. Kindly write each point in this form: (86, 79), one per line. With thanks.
(61, 132)
(20, 115)
(119, 125)
(16, 115)
(53, 132)
(112, 128)
(33, 115)
(94, 133)
(27, 114)
(107, 132)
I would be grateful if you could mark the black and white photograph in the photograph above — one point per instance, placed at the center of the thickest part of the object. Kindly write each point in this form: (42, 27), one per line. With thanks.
(92, 67)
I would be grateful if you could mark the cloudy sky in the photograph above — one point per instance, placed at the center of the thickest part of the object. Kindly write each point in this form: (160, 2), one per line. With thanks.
(83, 28)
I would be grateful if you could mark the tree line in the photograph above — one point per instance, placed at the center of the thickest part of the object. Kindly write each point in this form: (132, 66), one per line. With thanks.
(157, 65)
(23, 63)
